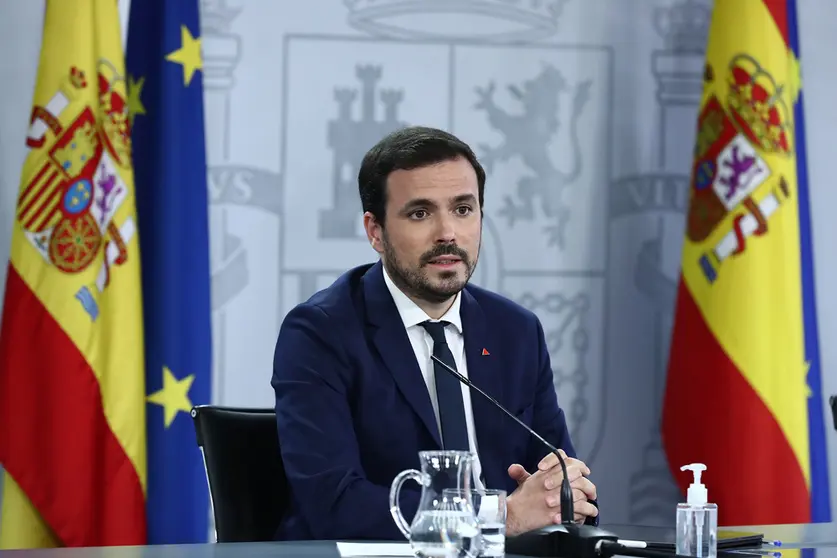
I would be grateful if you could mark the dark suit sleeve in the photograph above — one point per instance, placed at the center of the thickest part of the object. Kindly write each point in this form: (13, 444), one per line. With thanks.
(311, 381)
(548, 418)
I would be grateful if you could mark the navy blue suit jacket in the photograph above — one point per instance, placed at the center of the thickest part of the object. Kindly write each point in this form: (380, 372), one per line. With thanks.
(353, 409)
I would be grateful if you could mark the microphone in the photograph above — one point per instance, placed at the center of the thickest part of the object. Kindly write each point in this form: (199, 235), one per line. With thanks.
(567, 539)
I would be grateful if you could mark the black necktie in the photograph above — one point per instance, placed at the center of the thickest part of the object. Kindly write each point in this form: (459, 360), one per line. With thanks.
(448, 391)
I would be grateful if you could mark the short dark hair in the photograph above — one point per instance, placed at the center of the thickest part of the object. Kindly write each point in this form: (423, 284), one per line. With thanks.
(405, 149)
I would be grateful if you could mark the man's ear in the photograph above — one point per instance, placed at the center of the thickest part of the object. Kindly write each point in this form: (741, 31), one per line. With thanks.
(374, 232)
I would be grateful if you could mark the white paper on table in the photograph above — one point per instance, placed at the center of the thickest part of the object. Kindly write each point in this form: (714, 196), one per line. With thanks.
(348, 549)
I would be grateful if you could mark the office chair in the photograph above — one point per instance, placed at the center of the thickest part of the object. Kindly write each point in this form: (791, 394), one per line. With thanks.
(247, 485)
(833, 402)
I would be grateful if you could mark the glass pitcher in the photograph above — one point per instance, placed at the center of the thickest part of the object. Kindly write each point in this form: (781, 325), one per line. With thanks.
(444, 526)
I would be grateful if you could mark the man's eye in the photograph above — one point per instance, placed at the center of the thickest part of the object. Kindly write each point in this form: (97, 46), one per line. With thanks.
(419, 214)
(464, 209)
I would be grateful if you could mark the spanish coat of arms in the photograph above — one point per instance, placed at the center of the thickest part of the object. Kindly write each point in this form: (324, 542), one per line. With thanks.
(69, 201)
(735, 142)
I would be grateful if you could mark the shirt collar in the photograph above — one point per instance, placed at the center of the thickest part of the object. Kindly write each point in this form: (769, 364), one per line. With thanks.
(412, 315)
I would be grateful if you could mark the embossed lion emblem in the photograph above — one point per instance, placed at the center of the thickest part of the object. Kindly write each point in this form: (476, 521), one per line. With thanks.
(528, 135)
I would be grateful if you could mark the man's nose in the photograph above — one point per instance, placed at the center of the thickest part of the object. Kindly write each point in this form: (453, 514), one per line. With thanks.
(446, 232)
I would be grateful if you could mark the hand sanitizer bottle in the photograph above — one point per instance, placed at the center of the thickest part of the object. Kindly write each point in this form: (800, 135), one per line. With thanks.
(697, 520)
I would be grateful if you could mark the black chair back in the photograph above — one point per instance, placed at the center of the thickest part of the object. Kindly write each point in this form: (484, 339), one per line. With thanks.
(247, 483)
(833, 401)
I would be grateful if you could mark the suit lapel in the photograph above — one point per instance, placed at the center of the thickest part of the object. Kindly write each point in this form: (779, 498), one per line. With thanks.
(393, 344)
(484, 372)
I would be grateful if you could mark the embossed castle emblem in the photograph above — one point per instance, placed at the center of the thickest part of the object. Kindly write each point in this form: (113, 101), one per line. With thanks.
(348, 139)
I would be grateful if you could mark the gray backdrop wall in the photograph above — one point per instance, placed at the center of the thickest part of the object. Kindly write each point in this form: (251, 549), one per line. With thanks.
(585, 124)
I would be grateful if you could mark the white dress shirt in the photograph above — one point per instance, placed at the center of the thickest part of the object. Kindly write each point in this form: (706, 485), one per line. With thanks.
(422, 343)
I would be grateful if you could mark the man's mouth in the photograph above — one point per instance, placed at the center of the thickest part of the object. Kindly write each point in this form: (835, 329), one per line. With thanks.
(445, 261)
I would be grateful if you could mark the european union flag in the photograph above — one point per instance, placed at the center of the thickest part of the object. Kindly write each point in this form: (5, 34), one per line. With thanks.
(165, 85)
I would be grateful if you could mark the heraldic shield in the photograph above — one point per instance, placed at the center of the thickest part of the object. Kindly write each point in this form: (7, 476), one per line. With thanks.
(736, 145)
(68, 205)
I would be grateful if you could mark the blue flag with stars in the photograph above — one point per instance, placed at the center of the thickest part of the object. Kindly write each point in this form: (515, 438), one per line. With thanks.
(165, 83)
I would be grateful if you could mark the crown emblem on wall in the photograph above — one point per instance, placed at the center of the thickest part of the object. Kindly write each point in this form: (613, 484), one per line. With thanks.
(495, 21)
(684, 26)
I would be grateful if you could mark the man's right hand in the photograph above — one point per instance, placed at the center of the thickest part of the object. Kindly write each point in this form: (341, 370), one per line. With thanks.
(537, 501)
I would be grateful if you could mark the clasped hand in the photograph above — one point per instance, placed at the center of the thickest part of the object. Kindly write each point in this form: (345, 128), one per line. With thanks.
(536, 502)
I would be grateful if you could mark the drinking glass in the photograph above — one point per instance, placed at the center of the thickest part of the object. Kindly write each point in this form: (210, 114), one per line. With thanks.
(489, 506)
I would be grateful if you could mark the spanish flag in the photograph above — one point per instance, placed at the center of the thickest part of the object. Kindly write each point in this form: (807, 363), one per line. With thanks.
(744, 390)
(72, 402)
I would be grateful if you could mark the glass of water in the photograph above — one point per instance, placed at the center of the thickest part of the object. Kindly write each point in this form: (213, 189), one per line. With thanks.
(489, 506)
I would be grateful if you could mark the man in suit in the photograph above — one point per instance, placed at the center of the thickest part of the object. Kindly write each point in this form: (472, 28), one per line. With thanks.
(357, 394)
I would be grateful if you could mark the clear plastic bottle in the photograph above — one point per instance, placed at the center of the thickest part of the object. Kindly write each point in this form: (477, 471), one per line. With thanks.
(697, 519)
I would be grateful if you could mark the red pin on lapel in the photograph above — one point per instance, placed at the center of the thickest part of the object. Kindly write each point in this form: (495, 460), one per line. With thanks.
(485, 352)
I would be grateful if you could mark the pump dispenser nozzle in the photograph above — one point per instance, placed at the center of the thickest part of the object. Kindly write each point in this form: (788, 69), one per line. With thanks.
(697, 494)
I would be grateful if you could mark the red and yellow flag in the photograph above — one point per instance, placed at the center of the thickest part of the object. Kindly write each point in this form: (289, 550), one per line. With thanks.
(72, 405)
(743, 393)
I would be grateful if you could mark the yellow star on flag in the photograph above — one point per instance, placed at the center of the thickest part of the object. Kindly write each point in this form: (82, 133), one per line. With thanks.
(188, 55)
(134, 100)
(174, 396)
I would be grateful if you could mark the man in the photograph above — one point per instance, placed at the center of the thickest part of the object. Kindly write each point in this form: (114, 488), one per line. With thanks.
(357, 394)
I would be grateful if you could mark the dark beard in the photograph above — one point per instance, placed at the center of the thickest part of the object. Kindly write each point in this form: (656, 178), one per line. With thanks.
(415, 283)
